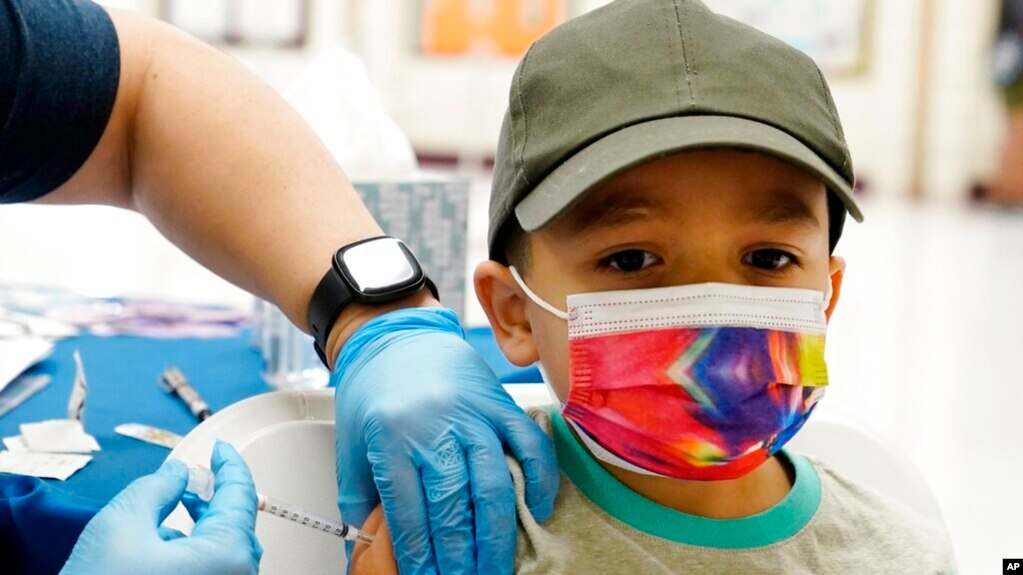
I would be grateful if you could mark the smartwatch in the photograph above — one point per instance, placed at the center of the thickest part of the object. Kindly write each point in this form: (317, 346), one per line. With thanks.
(373, 271)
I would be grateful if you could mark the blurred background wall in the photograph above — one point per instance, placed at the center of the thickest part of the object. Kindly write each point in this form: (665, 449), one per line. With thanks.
(921, 114)
(925, 61)
(926, 339)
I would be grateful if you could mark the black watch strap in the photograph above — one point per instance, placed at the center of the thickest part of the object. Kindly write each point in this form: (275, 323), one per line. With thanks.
(329, 299)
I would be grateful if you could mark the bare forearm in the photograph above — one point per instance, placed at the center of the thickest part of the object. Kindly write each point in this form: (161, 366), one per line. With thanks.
(225, 169)
(232, 175)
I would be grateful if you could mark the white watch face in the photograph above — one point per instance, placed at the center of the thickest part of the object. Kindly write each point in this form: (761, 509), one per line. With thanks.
(378, 265)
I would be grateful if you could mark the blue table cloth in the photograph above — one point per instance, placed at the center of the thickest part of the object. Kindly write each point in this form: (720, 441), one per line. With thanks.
(40, 520)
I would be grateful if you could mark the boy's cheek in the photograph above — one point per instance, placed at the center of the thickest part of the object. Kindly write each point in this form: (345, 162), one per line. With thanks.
(550, 336)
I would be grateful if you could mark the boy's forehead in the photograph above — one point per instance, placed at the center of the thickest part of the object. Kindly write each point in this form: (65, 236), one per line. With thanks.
(779, 194)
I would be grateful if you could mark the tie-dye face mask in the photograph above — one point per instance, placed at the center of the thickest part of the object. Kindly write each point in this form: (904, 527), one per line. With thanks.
(698, 382)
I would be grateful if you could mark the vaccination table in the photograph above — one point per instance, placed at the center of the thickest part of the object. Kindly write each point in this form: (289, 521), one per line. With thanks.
(41, 519)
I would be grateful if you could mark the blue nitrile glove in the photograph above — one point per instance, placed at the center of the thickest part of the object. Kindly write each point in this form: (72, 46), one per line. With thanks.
(126, 536)
(423, 421)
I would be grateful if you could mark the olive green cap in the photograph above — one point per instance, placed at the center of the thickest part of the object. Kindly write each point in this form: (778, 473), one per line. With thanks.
(641, 79)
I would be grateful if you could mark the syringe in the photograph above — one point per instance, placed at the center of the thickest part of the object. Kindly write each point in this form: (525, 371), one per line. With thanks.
(200, 482)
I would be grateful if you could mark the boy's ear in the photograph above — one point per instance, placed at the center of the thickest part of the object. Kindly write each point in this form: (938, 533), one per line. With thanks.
(505, 305)
(837, 273)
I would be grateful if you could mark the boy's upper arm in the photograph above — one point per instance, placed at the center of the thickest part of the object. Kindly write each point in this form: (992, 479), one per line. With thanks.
(376, 558)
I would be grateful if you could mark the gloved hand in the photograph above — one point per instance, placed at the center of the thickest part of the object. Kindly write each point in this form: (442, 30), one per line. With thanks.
(423, 421)
(126, 536)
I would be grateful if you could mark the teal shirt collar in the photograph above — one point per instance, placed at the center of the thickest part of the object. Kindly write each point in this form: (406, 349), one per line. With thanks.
(776, 524)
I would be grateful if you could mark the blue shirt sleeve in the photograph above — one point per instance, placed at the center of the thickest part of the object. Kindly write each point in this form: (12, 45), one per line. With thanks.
(59, 70)
(39, 525)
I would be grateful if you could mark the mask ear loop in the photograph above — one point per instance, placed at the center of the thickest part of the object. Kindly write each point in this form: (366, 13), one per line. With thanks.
(537, 299)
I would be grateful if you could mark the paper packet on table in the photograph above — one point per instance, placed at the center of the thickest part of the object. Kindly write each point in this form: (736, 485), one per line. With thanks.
(20, 390)
(43, 465)
(54, 448)
(17, 355)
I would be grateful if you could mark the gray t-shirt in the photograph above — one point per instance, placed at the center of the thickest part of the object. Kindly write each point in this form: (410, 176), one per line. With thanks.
(826, 524)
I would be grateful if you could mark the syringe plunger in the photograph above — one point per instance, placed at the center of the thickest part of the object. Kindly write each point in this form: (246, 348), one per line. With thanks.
(317, 522)
(201, 483)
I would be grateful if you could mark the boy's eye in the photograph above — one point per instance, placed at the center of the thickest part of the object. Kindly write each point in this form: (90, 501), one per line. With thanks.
(630, 260)
(769, 259)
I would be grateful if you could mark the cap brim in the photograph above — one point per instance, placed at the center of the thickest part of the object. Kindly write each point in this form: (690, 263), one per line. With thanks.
(641, 143)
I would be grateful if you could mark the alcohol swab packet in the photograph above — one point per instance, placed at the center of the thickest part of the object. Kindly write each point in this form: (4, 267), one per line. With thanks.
(76, 402)
(20, 390)
(63, 435)
(45, 465)
(17, 355)
(149, 434)
(58, 436)
(15, 443)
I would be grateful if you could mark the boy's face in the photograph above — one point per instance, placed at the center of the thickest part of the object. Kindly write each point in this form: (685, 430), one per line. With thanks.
(724, 216)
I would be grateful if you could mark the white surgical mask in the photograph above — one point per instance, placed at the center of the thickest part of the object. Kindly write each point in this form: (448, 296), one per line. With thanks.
(697, 382)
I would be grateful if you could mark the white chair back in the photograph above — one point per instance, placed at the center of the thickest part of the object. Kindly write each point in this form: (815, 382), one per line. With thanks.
(848, 444)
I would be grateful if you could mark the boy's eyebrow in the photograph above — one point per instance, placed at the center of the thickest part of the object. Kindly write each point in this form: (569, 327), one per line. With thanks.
(614, 211)
(787, 211)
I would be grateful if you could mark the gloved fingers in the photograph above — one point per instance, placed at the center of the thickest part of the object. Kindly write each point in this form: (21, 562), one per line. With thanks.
(356, 497)
(351, 506)
(195, 506)
(445, 476)
(150, 499)
(356, 493)
(233, 506)
(535, 452)
(169, 534)
(401, 491)
(493, 498)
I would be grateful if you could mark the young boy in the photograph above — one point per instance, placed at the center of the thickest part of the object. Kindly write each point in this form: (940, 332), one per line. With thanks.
(670, 186)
